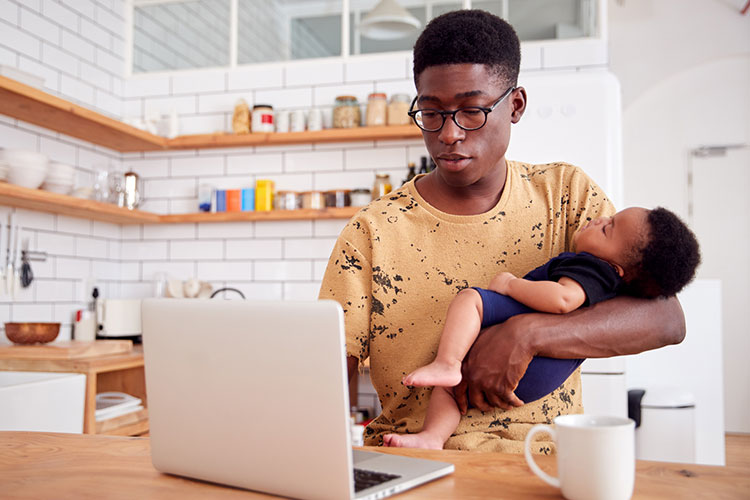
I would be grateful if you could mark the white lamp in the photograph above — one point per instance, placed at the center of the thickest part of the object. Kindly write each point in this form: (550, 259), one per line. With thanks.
(388, 21)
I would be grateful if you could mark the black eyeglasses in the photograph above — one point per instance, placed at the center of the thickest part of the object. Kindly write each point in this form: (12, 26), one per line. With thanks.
(469, 118)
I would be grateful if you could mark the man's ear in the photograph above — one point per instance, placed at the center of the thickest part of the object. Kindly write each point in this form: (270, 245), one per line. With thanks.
(518, 104)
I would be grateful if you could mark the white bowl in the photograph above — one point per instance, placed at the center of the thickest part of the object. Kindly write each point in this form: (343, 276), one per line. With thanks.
(23, 157)
(29, 178)
(58, 168)
(57, 188)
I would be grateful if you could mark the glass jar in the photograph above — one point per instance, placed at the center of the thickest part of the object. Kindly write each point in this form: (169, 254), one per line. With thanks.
(313, 199)
(398, 107)
(263, 195)
(376, 110)
(286, 200)
(262, 118)
(382, 185)
(337, 198)
(360, 197)
(346, 113)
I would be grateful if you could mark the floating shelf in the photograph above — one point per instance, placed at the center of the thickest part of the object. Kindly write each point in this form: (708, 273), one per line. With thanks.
(45, 110)
(44, 201)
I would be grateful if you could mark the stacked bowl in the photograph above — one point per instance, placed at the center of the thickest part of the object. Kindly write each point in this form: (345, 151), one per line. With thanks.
(24, 168)
(60, 178)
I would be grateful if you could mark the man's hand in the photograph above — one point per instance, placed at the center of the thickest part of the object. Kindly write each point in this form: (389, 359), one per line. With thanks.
(500, 282)
(492, 369)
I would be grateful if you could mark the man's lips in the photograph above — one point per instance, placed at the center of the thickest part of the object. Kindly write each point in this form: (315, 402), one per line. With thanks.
(453, 157)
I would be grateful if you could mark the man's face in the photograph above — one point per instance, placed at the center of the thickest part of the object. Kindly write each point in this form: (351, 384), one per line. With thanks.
(466, 157)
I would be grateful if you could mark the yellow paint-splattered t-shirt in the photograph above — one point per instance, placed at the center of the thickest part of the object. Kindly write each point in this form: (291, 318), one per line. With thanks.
(399, 262)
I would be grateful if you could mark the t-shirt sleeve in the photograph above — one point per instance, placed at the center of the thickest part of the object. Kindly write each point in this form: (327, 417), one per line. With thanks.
(598, 278)
(348, 281)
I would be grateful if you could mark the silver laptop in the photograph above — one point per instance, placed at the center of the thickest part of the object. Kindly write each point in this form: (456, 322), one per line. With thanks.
(254, 395)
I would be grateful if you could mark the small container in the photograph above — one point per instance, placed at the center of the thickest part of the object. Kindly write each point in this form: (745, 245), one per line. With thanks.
(346, 112)
(262, 118)
(286, 200)
(313, 199)
(297, 121)
(359, 197)
(263, 195)
(376, 110)
(338, 198)
(314, 120)
(248, 199)
(282, 121)
(382, 186)
(205, 193)
(398, 107)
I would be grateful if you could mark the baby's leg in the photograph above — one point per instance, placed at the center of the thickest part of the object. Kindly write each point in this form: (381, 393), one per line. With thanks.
(441, 420)
(462, 324)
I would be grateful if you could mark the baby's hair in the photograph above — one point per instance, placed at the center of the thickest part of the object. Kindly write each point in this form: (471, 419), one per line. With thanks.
(668, 260)
(469, 36)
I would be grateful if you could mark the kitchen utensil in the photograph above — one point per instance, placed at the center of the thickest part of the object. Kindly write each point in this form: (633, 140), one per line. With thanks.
(9, 271)
(132, 190)
(31, 333)
(227, 289)
(27, 276)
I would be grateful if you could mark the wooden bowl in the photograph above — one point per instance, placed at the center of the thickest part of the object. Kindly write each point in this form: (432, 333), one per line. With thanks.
(31, 333)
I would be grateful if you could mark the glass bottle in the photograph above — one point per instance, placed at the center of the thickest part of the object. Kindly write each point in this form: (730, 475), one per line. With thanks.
(382, 185)
(412, 172)
(423, 165)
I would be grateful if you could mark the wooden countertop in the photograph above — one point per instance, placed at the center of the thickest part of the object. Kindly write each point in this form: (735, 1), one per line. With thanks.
(45, 465)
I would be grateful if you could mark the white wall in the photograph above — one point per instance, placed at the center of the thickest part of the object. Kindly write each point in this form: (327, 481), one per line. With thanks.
(684, 67)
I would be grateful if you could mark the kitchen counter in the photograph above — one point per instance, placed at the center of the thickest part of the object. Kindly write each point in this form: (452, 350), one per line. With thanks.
(46, 465)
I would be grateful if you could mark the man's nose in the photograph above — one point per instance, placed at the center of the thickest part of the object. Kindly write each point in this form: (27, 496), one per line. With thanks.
(451, 133)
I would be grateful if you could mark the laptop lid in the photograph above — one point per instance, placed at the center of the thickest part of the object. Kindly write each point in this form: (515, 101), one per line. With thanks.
(254, 394)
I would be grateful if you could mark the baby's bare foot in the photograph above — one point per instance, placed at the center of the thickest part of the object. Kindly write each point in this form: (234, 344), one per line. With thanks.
(436, 373)
(419, 440)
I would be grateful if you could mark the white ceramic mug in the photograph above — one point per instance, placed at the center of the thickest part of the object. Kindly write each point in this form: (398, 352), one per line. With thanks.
(595, 456)
(297, 121)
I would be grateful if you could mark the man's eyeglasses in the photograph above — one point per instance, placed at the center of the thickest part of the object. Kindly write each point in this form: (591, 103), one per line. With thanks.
(469, 118)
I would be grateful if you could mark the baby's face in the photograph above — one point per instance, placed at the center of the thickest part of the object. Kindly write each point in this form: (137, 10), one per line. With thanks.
(613, 238)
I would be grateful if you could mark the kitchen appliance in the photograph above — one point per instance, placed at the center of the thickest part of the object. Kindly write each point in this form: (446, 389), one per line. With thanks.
(119, 318)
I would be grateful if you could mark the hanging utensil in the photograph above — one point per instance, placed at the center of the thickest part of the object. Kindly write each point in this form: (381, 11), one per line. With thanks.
(9, 275)
(3, 236)
(27, 276)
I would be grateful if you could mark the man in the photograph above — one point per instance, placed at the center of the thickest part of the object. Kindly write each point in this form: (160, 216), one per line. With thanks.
(401, 260)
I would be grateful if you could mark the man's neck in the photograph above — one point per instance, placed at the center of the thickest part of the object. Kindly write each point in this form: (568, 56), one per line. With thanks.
(474, 199)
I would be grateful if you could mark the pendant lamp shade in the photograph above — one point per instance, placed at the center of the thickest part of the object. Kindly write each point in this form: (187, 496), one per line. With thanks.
(388, 21)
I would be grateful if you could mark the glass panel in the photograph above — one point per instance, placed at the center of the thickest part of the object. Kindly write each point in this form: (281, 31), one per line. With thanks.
(180, 35)
(420, 9)
(545, 19)
(280, 30)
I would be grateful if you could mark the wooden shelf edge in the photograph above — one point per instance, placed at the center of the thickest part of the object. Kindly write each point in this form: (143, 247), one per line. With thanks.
(125, 425)
(203, 141)
(273, 215)
(45, 201)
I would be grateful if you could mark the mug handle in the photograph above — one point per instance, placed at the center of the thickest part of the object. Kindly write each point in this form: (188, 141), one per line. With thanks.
(551, 480)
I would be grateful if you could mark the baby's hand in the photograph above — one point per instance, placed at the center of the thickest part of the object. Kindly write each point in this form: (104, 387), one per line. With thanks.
(500, 282)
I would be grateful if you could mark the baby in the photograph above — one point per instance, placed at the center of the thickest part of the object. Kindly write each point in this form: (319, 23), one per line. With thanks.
(639, 252)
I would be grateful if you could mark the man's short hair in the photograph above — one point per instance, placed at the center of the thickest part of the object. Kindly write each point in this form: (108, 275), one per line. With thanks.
(469, 37)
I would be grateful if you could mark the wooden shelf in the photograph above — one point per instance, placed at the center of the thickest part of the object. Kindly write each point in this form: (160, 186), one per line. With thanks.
(44, 201)
(45, 110)
(130, 424)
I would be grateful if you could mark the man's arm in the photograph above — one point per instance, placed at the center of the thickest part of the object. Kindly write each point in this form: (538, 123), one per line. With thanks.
(624, 325)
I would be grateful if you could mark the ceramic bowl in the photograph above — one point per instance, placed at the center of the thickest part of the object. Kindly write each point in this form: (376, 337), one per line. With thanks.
(32, 333)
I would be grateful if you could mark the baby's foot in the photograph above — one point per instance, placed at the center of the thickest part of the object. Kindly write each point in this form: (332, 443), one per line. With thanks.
(436, 373)
(420, 440)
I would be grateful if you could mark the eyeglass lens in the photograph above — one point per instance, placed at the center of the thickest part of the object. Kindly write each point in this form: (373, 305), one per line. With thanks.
(467, 118)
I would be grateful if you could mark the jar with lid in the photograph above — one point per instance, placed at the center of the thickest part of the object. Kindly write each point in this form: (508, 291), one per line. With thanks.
(338, 198)
(313, 199)
(286, 200)
(398, 107)
(376, 110)
(262, 118)
(346, 112)
(382, 185)
(360, 197)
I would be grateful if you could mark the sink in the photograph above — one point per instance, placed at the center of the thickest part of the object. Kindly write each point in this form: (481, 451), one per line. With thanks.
(42, 401)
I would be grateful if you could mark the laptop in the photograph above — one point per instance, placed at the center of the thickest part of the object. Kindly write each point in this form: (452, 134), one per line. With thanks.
(254, 395)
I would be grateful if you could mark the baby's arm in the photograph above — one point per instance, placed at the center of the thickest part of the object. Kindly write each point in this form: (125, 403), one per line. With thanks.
(557, 297)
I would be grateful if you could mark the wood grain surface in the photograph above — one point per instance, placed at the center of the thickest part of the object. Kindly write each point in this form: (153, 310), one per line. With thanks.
(45, 465)
(67, 349)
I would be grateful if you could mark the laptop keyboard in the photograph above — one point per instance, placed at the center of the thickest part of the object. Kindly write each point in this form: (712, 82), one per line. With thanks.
(366, 478)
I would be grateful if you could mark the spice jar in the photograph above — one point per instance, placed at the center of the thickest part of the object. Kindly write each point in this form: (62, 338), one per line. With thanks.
(337, 198)
(263, 195)
(346, 113)
(382, 185)
(398, 107)
(262, 119)
(359, 197)
(376, 110)
(286, 200)
(313, 199)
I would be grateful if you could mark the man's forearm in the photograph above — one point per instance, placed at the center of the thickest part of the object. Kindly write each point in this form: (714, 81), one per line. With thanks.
(623, 325)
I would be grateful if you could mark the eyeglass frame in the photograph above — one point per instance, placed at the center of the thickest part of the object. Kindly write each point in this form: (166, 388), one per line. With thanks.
(444, 114)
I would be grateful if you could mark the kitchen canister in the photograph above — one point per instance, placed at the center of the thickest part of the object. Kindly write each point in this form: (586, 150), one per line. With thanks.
(286, 200)
(360, 197)
(262, 118)
(346, 113)
(264, 195)
(282, 121)
(297, 121)
(382, 185)
(398, 107)
(376, 110)
(313, 199)
(314, 120)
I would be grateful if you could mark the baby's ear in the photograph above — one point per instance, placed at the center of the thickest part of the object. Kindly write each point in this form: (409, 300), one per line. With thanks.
(619, 269)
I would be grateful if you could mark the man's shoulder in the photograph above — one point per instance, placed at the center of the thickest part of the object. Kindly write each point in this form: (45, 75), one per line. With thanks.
(544, 171)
